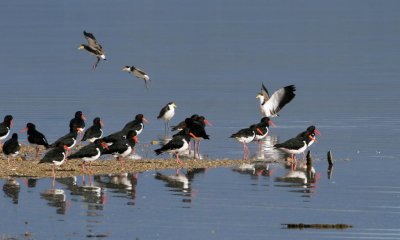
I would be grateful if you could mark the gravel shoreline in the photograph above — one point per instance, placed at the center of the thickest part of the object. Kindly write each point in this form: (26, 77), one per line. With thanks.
(25, 166)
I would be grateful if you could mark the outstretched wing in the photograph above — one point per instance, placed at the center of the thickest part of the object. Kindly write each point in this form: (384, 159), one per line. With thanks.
(92, 42)
(278, 100)
(264, 92)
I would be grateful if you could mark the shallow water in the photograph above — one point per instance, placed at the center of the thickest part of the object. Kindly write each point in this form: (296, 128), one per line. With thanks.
(210, 57)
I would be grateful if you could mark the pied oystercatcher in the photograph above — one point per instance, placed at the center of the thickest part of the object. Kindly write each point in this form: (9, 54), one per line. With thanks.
(11, 147)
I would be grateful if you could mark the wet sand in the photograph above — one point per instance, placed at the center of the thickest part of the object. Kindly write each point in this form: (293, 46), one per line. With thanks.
(24, 165)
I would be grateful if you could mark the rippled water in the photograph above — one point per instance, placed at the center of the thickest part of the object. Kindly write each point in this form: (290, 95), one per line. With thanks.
(210, 57)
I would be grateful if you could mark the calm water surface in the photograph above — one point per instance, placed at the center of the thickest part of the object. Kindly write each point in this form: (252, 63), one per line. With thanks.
(209, 57)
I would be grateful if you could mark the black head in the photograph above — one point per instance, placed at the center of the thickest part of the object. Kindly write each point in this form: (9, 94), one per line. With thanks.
(97, 120)
(14, 136)
(139, 117)
(8, 118)
(78, 114)
(194, 116)
(311, 128)
(30, 126)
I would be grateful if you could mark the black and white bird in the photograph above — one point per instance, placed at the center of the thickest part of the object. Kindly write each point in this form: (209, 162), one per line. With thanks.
(5, 127)
(166, 115)
(271, 105)
(68, 140)
(245, 136)
(197, 128)
(309, 130)
(177, 144)
(263, 127)
(94, 132)
(138, 73)
(296, 145)
(123, 147)
(93, 48)
(78, 122)
(90, 153)
(35, 138)
(56, 156)
(137, 124)
(11, 147)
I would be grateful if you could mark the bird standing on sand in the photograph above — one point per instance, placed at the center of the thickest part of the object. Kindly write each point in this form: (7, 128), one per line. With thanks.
(5, 127)
(94, 132)
(271, 105)
(177, 144)
(56, 156)
(35, 138)
(245, 136)
(93, 48)
(123, 147)
(166, 114)
(11, 147)
(137, 73)
(90, 153)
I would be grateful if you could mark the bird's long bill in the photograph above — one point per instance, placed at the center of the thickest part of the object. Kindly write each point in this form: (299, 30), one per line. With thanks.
(11, 123)
(317, 132)
(145, 120)
(192, 135)
(101, 123)
(80, 129)
(135, 139)
(83, 117)
(104, 145)
(312, 138)
(259, 131)
(65, 147)
(270, 122)
(206, 122)
(24, 130)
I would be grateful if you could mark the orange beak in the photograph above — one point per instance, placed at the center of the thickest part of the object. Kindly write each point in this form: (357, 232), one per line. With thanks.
(206, 122)
(101, 123)
(80, 129)
(135, 139)
(11, 124)
(317, 132)
(192, 135)
(259, 131)
(24, 130)
(65, 147)
(271, 123)
(104, 145)
(144, 120)
(312, 138)
(83, 117)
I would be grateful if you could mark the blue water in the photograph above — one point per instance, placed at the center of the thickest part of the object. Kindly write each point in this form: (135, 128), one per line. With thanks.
(211, 57)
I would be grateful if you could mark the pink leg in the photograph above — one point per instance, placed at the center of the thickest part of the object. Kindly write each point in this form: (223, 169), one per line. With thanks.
(83, 167)
(178, 160)
(194, 149)
(36, 153)
(198, 149)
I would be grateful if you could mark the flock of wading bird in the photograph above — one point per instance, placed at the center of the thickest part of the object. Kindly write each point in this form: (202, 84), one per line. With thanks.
(122, 143)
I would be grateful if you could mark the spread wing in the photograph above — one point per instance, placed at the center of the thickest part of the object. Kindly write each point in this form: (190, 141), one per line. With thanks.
(264, 92)
(278, 100)
(92, 42)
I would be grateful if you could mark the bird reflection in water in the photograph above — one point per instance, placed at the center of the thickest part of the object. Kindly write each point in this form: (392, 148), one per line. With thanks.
(56, 198)
(120, 183)
(267, 151)
(11, 189)
(255, 169)
(181, 183)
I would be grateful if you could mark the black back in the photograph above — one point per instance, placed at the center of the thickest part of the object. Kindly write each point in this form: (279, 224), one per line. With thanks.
(11, 146)
(94, 131)
(36, 137)
(77, 121)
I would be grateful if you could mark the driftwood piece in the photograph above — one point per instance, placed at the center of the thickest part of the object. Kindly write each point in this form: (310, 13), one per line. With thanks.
(316, 226)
